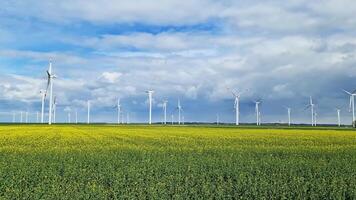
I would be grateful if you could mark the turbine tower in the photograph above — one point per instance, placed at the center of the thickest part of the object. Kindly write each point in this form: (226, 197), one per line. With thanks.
(69, 117)
(13, 117)
(179, 107)
(165, 111)
(118, 110)
(352, 105)
(289, 115)
(76, 116)
(54, 109)
(338, 117)
(311, 105)
(50, 77)
(150, 93)
(258, 113)
(43, 97)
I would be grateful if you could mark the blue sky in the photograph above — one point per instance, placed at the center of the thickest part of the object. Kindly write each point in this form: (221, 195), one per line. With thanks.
(280, 51)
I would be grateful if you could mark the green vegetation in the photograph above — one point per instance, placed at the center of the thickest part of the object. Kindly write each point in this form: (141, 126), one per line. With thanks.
(140, 162)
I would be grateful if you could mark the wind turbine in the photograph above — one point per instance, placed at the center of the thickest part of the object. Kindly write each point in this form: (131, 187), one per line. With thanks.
(43, 97)
(13, 117)
(352, 105)
(118, 106)
(150, 93)
(54, 109)
(88, 117)
(237, 96)
(179, 108)
(338, 117)
(50, 77)
(289, 114)
(21, 117)
(69, 117)
(258, 113)
(217, 119)
(26, 117)
(165, 111)
(311, 105)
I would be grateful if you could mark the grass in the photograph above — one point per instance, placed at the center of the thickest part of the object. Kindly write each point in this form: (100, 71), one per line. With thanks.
(140, 162)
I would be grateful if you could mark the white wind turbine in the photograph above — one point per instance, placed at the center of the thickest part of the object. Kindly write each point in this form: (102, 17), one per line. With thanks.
(150, 93)
(352, 105)
(289, 114)
(258, 113)
(237, 96)
(164, 105)
(76, 116)
(179, 108)
(43, 97)
(311, 105)
(338, 116)
(118, 106)
(50, 77)
(69, 117)
(21, 117)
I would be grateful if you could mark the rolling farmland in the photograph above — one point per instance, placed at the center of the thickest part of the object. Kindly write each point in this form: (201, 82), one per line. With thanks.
(140, 162)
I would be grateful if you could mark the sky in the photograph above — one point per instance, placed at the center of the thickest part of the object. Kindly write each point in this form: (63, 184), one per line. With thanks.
(279, 51)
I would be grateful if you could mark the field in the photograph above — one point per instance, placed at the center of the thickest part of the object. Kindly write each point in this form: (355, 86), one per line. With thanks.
(140, 162)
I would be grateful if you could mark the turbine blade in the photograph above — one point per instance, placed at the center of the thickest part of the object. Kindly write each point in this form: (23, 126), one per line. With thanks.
(347, 92)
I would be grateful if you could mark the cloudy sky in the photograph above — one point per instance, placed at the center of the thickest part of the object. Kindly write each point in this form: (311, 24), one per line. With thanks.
(280, 51)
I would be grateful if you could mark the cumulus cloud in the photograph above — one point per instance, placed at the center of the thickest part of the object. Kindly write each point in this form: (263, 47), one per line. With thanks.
(281, 51)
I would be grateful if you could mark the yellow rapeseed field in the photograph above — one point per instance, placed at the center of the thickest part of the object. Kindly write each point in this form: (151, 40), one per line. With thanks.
(140, 162)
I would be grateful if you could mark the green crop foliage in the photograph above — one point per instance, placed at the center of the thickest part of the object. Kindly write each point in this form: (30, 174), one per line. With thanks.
(142, 162)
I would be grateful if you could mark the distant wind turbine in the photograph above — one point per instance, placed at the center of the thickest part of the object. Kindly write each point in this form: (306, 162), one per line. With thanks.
(50, 77)
(237, 96)
(258, 113)
(13, 117)
(54, 109)
(76, 116)
(118, 106)
(69, 117)
(43, 97)
(150, 93)
(338, 117)
(165, 111)
(352, 105)
(21, 120)
(289, 115)
(311, 105)
(179, 108)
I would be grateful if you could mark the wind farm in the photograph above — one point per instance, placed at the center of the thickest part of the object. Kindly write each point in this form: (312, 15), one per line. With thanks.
(177, 99)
